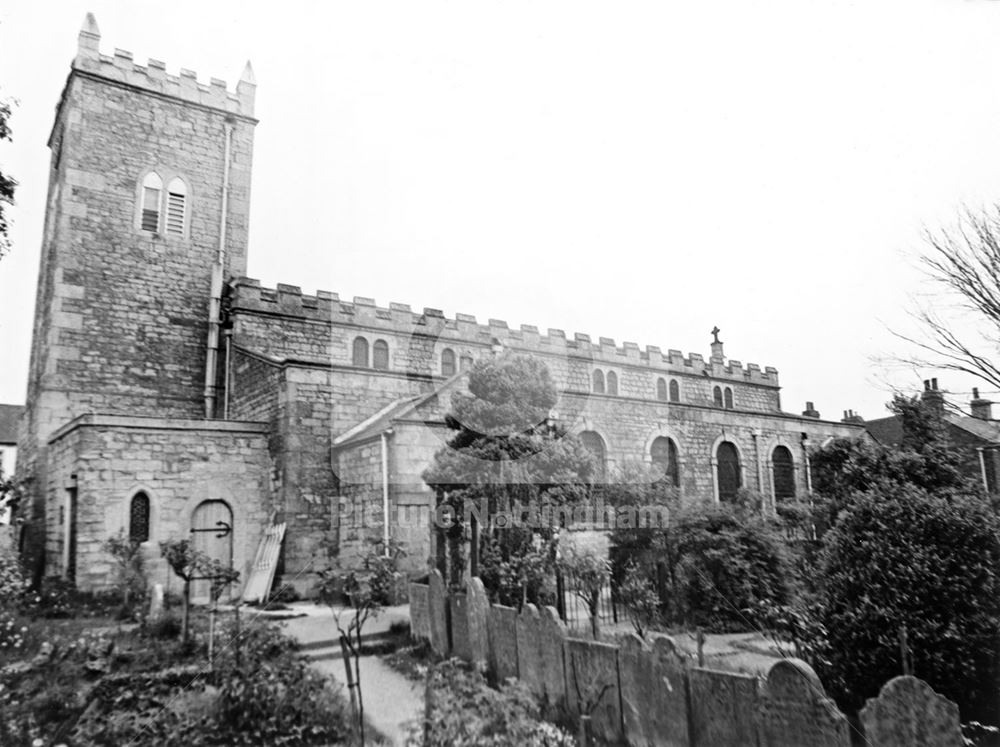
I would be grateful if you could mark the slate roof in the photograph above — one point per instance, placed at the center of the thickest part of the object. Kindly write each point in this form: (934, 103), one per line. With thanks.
(10, 415)
(889, 430)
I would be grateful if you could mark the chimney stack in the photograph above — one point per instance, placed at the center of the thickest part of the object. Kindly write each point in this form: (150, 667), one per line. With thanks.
(810, 411)
(933, 397)
(981, 408)
(852, 417)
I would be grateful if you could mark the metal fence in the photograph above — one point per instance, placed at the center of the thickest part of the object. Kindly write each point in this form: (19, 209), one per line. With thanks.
(574, 599)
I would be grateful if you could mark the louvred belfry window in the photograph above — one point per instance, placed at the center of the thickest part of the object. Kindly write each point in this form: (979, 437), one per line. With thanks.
(152, 189)
(176, 207)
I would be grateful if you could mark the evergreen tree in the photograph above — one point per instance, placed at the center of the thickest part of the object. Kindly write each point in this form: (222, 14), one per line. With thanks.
(505, 450)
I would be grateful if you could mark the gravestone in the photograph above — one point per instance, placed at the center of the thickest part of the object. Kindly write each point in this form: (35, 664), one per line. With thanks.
(551, 642)
(437, 602)
(907, 712)
(502, 632)
(478, 608)
(529, 664)
(156, 604)
(654, 692)
(420, 621)
(458, 614)
(592, 684)
(722, 708)
(793, 710)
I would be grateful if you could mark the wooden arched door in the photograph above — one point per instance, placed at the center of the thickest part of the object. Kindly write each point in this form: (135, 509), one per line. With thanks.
(212, 534)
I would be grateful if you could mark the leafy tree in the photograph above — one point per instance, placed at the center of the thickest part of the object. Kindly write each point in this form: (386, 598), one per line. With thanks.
(901, 555)
(190, 564)
(129, 566)
(640, 600)
(7, 183)
(591, 574)
(504, 450)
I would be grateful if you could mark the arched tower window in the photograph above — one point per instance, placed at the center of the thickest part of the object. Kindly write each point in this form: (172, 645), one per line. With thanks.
(728, 474)
(359, 355)
(784, 473)
(447, 362)
(593, 443)
(675, 391)
(612, 383)
(661, 390)
(138, 518)
(176, 206)
(717, 396)
(663, 454)
(465, 363)
(152, 191)
(380, 355)
(729, 398)
(598, 381)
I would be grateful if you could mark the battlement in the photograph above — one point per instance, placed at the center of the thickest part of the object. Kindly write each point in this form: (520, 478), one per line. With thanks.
(154, 77)
(246, 294)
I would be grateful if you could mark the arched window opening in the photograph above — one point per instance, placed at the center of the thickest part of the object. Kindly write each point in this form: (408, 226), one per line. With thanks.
(176, 206)
(138, 518)
(784, 473)
(675, 391)
(447, 362)
(598, 381)
(359, 356)
(663, 454)
(717, 396)
(612, 383)
(465, 363)
(727, 460)
(593, 443)
(661, 390)
(380, 355)
(152, 190)
(729, 398)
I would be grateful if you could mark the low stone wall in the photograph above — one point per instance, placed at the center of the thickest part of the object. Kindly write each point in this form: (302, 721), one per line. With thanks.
(650, 693)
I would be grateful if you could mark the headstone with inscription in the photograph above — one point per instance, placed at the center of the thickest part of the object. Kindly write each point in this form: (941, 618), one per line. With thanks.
(908, 713)
(723, 708)
(654, 692)
(551, 643)
(592, 687)
(477, 610)
(529, 665)
(502, 632)
(420, 622)
(794, 711)
(437, 605)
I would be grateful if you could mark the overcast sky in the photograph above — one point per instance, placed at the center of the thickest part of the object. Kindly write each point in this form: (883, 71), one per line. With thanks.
(640, 171)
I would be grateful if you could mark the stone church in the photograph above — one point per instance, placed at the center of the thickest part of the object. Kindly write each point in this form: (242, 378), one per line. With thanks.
(170, 396)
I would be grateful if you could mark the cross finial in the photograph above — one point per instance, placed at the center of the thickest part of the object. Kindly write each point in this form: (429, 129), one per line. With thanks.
(715, 333)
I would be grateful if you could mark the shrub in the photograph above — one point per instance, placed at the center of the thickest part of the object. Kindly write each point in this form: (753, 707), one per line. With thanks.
(465, 711)
(900, 555)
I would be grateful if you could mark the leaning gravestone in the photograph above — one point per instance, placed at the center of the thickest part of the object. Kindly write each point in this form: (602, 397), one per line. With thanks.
(502, 630)
(654, 692)
(793, 710)
(592, 686)
(420, 622)
(437, 605)
(551, 649)
(529, 664)
(477, 610)
(723, 708)
(908, 713)
(458, 615)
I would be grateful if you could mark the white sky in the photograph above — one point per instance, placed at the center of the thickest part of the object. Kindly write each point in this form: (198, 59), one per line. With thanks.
(641, 171)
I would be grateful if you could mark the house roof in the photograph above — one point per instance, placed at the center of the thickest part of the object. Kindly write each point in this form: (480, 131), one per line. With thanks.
(889, 430)
(10, 415)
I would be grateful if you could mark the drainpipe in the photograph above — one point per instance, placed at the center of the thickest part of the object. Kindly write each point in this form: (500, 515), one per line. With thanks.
(982, 468)
(228, 373)
(384, 438)
(215, 300)
(809, 482)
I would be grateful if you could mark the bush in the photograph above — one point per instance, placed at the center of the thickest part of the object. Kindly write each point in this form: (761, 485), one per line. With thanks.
(466, 712)
(902, 556)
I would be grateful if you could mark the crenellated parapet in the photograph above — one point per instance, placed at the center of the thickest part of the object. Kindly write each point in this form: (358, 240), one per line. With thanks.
(327, 308)
(153, 76)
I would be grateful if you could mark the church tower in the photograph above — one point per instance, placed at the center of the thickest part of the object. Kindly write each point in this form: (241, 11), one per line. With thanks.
(147, 215)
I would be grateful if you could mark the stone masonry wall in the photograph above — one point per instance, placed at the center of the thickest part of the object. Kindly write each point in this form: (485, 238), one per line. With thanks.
(178, 463)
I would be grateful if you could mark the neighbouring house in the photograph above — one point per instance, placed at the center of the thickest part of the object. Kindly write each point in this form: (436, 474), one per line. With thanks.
(975, 436)
(10, 415)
